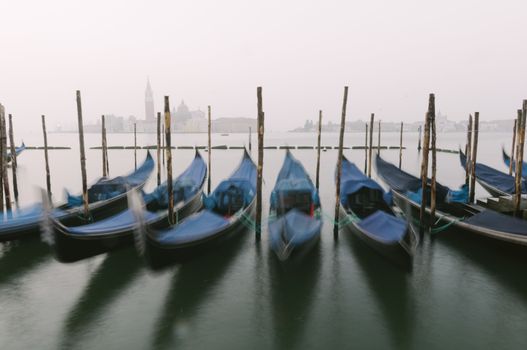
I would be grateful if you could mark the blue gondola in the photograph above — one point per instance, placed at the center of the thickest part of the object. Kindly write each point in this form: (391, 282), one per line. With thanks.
(79, 242)
(295, 222)
(106, 197)
(507, 161)
(496, 182)
(452, 211)
(366, 211)
(227, 210)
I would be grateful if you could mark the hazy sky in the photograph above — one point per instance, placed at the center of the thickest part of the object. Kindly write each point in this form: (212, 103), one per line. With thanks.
(472, 54)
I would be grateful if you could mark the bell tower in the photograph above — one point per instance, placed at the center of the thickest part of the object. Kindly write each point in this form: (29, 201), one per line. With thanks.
(149, 102)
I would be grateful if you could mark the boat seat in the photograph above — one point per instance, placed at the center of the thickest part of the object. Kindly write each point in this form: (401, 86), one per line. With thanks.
(300, 200)
(230, 201)
(366, 201)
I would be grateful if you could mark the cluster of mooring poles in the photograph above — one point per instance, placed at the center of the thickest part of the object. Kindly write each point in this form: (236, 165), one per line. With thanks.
(5, 158)
(429, 144)
(105, 161)
(4, 177)
(519, 134)
(8, 154)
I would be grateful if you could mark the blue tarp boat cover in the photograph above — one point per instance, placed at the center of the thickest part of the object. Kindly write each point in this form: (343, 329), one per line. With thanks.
(185, 186)
(453, 196)
(194, 228)
(295, 228)
(385, 227)
(241, 182)
(108, 188)
(24, 219)
(125, 220)
(293, 178)
(502, 181)
(208, 222)
(353, 180)
(507, 161)
(499, 222)
(400, 181)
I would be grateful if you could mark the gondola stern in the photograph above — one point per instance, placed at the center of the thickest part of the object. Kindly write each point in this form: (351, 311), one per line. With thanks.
(47, 228)
(135, 203)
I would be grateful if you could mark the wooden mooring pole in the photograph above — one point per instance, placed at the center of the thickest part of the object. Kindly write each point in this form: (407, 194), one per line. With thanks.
(13, 158)
(158, 148)
(434, 168)
(209, 155)
(401, 146)
(419, 139)
(522, 114)
(163, 144)
(379, 139)
(83, 156)
(473, 157)
(48, 177)
(261, 116)
(512, 158)
(468, 151)
(106, 152)
(2, 165)
(424, 163)
(370, 149)
(250, 139)
(5, 176)
(318, 148)
(103, 147)
(366, 148)
(135, 146)
(168, 152)
(339, 163)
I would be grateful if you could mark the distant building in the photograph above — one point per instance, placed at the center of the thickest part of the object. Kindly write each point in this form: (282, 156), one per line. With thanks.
(443, 124)
(182, 120)
(149, 103)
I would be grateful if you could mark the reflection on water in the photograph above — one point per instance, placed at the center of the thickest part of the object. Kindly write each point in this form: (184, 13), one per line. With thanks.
(389, 285)
(106, 284)
(20, 257)
(499, 261)
(192, 283)
(293, 285)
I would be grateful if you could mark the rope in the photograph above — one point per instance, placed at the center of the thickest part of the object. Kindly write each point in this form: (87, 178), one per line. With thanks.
(350, 218)
(439, 229)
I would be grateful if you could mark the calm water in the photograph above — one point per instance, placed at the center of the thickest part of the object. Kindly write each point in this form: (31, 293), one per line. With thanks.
(464, 292)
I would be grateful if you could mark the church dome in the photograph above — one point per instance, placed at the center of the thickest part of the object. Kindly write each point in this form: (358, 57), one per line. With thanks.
(182, 108)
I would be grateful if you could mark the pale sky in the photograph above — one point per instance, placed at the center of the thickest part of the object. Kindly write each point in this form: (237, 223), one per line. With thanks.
(471, 54)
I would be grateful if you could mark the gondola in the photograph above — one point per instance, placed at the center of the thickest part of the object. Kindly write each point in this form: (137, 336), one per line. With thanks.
(452, 210)
(295, 222)
(495, 182)
(79, 242)
(228, 210)
(507, 161)
(106, 197)
(365, 208)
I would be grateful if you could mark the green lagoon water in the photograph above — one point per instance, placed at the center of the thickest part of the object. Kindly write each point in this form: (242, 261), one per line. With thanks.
(464, 292)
